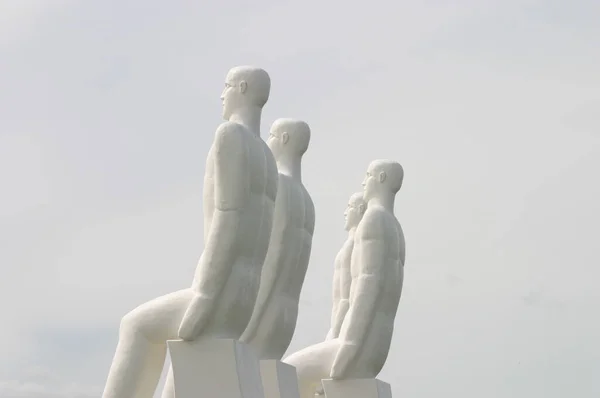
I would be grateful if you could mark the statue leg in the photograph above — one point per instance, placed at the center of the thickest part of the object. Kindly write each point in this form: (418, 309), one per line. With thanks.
(140, 354)
(313, 364)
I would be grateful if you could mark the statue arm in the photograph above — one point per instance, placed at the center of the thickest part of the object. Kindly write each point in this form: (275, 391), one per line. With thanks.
(270, 269)
(335, 299)
(267, 282)
(366, 295)
(343, 305)
(215, 265)
(340, 314)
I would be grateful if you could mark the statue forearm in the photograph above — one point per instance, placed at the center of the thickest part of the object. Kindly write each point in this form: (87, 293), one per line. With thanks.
(335, 294)
(212, 273)
(217, 258)
(267, 284)
(363, 308)
(342, 310)
(360, 319)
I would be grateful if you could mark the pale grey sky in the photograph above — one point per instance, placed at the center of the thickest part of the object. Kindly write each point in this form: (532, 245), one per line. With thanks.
(107, 110)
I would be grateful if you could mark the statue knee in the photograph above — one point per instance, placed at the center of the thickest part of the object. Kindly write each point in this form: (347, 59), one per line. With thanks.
(301, 371)
(130, 324)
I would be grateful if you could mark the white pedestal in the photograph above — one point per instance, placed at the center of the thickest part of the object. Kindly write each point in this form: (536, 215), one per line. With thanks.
(357, 388)
(215, 368)
(279, 379)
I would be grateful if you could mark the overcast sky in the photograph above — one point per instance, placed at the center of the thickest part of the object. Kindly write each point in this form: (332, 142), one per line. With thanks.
(108, 108)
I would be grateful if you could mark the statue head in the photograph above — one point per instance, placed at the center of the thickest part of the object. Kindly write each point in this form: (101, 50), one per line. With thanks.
(288, 137)
(245, 86)
(384, 178)
(355, 210)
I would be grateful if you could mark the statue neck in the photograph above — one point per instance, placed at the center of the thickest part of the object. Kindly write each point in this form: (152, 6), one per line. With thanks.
(290, 166)
(351, 233)
(248, 117)
(383, 200)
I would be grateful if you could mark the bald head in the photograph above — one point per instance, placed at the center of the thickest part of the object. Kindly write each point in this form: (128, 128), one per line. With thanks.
(383, 180)
(289, 137)
(245, 86)
(388, 173)
(356, 200)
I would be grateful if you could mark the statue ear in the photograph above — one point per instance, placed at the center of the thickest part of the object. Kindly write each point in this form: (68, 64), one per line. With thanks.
(243, 86)
(285, 137)
(382, 176)
(361, 208)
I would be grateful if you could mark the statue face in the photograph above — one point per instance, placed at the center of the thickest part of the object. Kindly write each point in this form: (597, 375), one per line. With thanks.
(228, 98)
(370, 184)
(275, 142)
(352, 215)
(233, 94)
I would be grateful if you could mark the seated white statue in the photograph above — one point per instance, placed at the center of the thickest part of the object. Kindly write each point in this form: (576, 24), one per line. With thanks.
(342, 277)
(377, 269)
(240, 186)
(273, 321)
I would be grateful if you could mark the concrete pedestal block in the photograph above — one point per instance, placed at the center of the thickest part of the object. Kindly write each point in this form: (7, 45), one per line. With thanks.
(279, 379)
(215, 368)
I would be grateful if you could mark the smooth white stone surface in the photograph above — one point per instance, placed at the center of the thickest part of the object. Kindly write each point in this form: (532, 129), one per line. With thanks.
(377, 272)
(279, 379)
(240, 188)
(342, 277)
(357, 388)
(273, 320)
(221, 368)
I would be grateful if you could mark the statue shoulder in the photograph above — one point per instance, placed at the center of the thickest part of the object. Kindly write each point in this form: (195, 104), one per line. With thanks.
(230, 127)
(229, 134)
(372, 226)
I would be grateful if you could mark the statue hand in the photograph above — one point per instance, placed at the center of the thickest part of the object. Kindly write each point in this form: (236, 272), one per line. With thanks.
(187, 330)
(345, 356)
(194, 319)
(320, 391)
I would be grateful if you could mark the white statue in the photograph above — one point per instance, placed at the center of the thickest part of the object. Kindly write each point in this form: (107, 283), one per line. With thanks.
(377, 269)
(273, 321)
(240, 186)
(342, 277)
